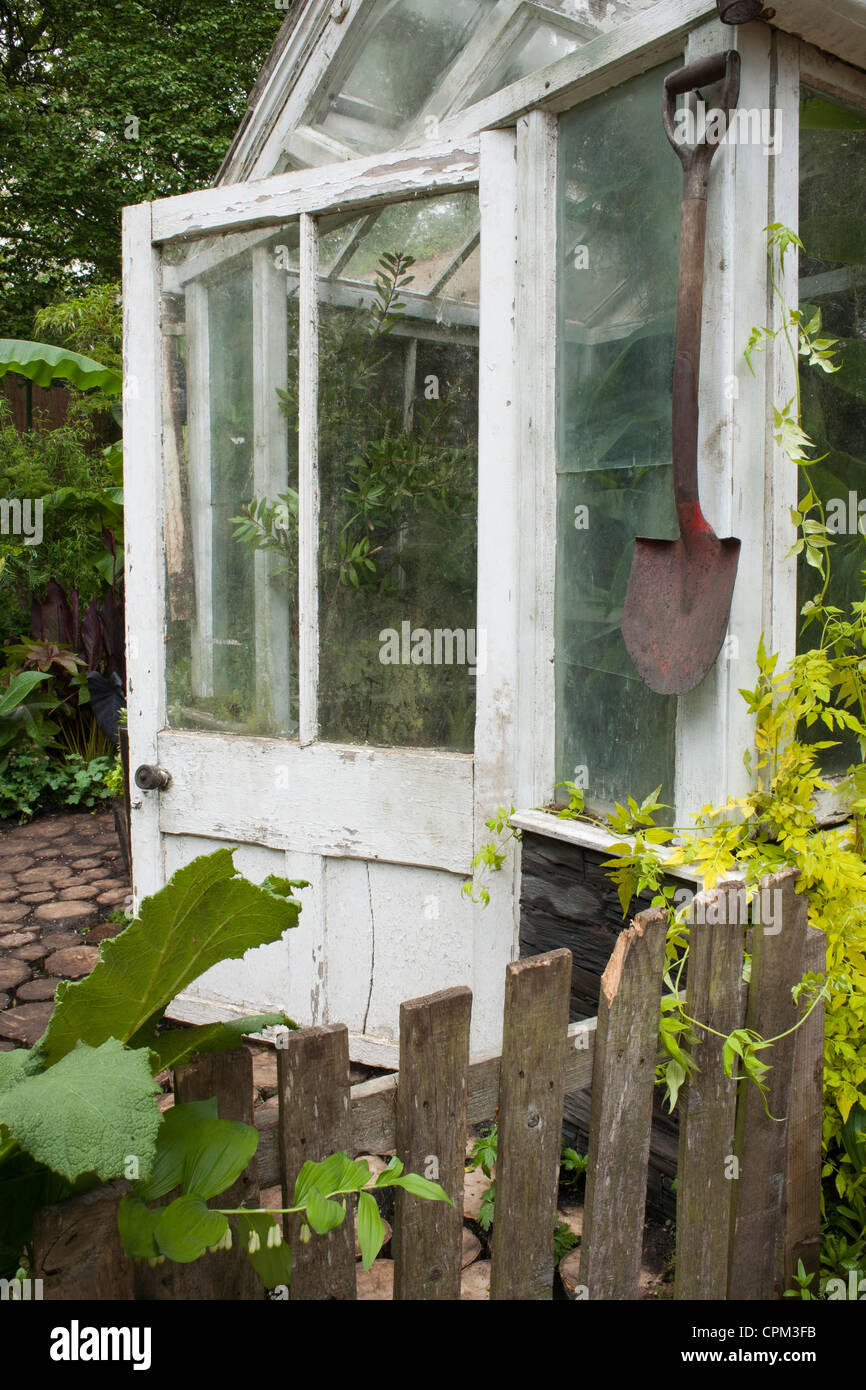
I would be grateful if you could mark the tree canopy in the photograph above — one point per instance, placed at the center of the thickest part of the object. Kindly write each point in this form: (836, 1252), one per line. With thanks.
(105, 103)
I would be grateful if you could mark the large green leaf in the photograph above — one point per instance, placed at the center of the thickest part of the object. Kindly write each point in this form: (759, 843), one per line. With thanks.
(371, 1229)
(136, 1224)
(19, 688)
(204, 915)
(217, 1155)
(186, 1227)
(12, 1067)
(322, 1214)
(90, 1113)
(179, 1126)
(272, 1262)
(43, 364)
(175, 1047)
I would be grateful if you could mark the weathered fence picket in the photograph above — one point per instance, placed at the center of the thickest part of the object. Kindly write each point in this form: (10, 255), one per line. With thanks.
(622, 1094)
(226, 1274)
(77, 1251)
(758, 1243)
(313, 1081)
(748, 1199)
(431, 1140)
(537, 997)
(805, 1160)
(708, 1102)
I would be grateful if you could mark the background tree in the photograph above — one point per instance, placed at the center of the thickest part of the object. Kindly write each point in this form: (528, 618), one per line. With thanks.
(105, 103)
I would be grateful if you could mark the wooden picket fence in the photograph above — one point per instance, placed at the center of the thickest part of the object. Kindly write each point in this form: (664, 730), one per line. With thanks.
(748, 1190)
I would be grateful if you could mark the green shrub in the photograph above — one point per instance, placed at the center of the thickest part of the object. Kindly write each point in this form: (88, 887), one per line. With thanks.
(30, 779)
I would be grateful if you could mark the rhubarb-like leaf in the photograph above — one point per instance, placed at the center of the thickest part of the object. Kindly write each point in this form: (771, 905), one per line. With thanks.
(175, 1047)
(204, 915)
(44, 363)
(91, 1113)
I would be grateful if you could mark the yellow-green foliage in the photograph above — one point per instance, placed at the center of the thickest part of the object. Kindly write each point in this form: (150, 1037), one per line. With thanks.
(775, 826)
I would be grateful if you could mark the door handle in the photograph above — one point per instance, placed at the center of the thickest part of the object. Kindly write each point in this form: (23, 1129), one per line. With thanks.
(152, 779)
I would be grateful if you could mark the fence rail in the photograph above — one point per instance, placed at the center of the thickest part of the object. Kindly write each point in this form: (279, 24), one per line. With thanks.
(748, 1194)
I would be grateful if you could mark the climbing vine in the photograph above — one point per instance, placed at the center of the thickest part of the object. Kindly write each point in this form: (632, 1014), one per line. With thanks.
(800, 712)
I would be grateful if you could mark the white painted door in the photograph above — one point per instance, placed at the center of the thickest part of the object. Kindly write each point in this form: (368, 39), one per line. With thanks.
(338, 703)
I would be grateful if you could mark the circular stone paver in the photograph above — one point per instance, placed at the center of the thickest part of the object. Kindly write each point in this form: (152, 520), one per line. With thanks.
(17, 863)
(31, 953)
(26, 1022)
(36, 990)
(12, 912)
(9, 895)
(84, 891)
(115, 898)
(68, 914)
(16, 938)
(85, 863)
(58, 941)
(73, 963)
(6, 881)
(52, 828)
(37, 898)
(41, 875)
(13, 973)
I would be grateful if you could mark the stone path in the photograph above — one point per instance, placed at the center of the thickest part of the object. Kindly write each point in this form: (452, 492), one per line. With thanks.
(60, 878)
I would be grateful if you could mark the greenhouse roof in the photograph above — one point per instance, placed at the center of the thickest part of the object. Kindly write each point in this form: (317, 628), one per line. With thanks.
(352, 77)
(347, 78)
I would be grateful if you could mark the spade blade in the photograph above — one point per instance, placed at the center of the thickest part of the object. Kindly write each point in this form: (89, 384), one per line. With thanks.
(676, 609)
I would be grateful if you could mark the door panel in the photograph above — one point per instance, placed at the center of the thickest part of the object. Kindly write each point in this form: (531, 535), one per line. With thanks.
(228, 684)
(401, 805)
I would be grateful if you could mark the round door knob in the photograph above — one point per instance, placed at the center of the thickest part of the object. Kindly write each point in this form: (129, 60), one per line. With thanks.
(152, 779)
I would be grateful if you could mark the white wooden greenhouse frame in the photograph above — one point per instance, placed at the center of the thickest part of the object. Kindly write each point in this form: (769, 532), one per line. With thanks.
(386, 836)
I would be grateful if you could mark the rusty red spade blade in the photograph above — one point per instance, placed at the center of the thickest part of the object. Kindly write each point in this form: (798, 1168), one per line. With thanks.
(679, 592)
(677, 607)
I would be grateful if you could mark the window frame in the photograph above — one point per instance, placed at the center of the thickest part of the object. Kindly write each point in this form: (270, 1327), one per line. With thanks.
(417, 806)
(739, 497)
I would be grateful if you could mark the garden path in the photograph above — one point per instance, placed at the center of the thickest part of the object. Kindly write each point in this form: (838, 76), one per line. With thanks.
(61, 877)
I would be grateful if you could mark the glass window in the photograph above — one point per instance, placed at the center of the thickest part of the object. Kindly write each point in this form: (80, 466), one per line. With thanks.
(537, 46)
(397, 67)
(230, 326)
(398, 461)
(620, 191)
(833, 279)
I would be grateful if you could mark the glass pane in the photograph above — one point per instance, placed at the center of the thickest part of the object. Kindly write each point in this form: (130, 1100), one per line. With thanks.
(620, 190)
(398, 459)
(433, 232)
(833, 279)
(537, 46)
(230, 324)
(398, 66)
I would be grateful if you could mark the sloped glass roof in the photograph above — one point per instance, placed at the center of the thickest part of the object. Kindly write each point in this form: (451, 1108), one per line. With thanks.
(414, 62)
(407, 49)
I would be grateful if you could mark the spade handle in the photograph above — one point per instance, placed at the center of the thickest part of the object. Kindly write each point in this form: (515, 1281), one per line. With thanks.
(696, 160)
